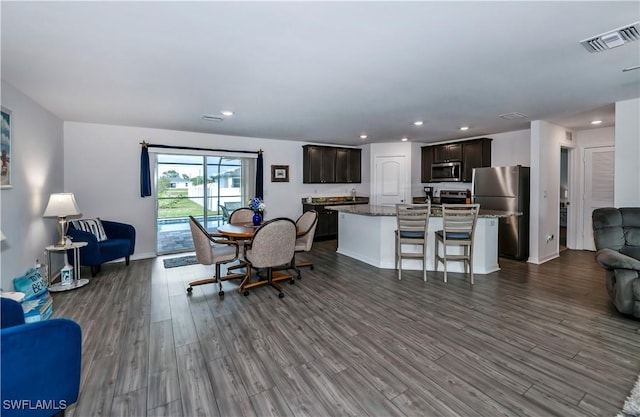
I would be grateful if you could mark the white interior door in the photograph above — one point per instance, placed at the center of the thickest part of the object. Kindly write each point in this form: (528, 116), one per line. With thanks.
(390, 180)
(598, 187)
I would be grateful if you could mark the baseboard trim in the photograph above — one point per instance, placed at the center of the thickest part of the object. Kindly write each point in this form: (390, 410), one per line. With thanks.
(547, 258)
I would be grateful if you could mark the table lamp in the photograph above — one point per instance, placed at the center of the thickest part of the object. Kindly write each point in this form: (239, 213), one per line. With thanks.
(62, 205)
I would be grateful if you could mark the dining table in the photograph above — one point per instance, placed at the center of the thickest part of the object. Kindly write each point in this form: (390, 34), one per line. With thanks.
(238, 231)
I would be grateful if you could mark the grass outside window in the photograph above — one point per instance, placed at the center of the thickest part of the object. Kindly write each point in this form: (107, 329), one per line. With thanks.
(175, 204)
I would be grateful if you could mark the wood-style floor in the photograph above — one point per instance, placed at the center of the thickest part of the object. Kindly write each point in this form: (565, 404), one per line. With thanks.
(351, 340)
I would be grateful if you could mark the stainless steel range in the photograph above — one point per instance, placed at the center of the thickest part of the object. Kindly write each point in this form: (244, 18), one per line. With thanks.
(453, 197)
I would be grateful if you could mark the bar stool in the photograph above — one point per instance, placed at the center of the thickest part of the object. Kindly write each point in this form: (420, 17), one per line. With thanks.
(413, 222)
(459, 225)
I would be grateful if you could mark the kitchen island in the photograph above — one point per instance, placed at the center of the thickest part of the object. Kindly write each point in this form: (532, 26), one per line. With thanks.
(366, 233)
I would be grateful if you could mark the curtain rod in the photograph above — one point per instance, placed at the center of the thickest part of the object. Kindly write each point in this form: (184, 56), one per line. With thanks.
(146, 144)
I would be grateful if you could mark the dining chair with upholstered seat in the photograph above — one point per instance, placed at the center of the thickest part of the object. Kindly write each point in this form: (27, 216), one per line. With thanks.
(412, 225)
(459, 225)
(212, 251)
(241, 215)
(273, 245)
(306, 231)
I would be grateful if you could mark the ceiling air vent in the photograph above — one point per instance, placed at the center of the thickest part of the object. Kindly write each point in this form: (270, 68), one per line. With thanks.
(512, 115)
(613, 38)
(211, 118)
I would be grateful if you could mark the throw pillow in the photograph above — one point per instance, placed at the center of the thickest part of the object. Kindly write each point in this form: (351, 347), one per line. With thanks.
(93, 226)
(31, 284)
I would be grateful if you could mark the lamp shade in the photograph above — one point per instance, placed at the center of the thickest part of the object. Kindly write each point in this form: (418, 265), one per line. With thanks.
(62, 205)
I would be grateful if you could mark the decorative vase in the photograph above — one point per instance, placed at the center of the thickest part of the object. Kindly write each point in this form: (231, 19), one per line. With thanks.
(257, 218)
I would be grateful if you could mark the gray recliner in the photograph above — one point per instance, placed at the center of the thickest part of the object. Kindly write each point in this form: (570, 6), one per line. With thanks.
(616, 233)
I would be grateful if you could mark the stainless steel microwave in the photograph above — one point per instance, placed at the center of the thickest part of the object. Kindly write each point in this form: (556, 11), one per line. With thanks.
(446, 171)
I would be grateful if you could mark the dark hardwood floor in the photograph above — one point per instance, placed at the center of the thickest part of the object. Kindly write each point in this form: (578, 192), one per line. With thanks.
(351, 340)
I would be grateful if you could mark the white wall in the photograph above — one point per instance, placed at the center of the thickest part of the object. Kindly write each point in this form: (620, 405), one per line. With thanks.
(103, 165)
(627, 155)
(37, 171)
(546, 141)
(511, 148)
(417, 189)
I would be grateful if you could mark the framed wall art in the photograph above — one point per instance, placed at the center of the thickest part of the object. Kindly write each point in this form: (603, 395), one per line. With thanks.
(279, 173)
(5, 147)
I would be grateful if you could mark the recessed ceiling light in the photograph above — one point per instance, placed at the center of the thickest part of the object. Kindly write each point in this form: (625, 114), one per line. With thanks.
(227, 113)
(596, 122)
(418, 123)
(363, 136)
(404, 139)
(464, 128)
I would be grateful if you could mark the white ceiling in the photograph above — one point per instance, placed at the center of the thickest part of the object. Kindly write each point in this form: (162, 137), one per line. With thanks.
(321, 71)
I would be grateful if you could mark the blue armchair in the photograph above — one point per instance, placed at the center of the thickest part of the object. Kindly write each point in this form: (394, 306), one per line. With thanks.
(120, 243)
(40, 363)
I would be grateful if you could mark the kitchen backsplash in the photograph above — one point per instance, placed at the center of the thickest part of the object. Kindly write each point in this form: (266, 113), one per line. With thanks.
(437, 186)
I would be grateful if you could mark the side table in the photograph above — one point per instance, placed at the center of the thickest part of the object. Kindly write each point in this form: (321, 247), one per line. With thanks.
(77, 281)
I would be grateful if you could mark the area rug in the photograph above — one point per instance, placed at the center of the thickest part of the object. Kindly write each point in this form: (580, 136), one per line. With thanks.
(181, 261)
(631, 407)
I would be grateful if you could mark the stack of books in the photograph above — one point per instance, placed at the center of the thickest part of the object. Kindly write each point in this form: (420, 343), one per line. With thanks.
(37, 303)
(39, 308)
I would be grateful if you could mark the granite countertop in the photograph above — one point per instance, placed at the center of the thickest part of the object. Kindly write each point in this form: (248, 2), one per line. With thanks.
(370, 210)
(335, 201)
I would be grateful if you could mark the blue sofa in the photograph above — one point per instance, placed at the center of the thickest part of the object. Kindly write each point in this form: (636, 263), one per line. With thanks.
(40, 363)
(120, 243)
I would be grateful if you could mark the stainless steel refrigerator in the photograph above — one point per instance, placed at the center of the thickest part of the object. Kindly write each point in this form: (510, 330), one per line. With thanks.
(506, 188)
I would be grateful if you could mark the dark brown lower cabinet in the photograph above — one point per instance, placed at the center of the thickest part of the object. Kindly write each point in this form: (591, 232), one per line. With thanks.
(327, 227)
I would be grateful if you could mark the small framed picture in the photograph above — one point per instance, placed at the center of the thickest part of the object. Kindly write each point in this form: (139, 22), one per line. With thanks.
(5, 146)
(279, 173)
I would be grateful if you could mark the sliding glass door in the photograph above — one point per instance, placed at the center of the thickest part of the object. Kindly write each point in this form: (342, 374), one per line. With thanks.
(202, 186)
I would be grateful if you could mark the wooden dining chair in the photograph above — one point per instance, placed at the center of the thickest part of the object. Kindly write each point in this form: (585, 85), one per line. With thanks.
(212, 251)
(273, 245)
(459, 225)
(412, 225)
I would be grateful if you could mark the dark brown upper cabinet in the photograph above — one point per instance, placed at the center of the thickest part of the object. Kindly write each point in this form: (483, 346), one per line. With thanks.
(449, 152)
(355, 165)
(329, 164)
(342, 165)
(476, 154)
(427, 161)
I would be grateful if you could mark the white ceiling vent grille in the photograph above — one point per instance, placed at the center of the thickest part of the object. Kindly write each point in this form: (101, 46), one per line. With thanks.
(613, 38)
(211, 118)
(512, 115)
